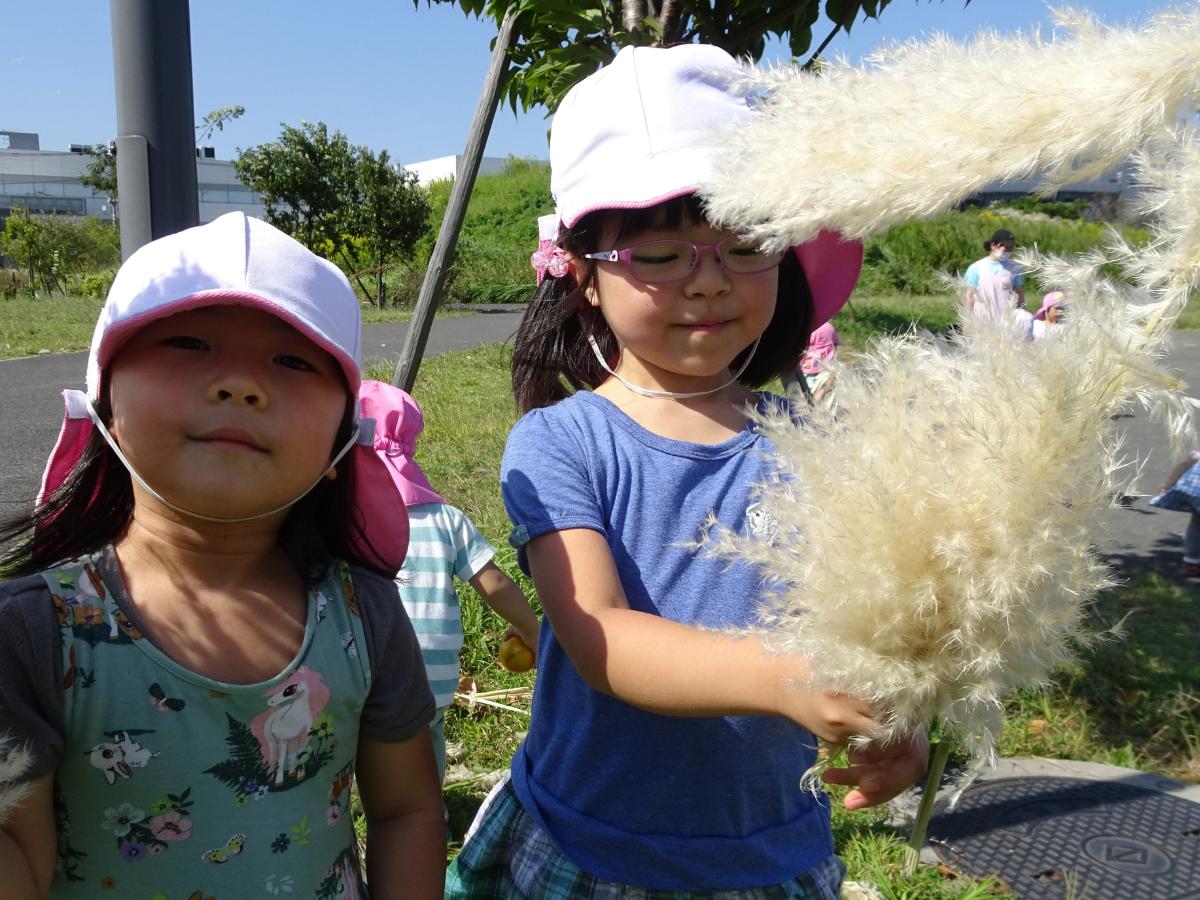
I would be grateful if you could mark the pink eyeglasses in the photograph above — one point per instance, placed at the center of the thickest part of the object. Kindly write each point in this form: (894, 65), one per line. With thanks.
(661, 262)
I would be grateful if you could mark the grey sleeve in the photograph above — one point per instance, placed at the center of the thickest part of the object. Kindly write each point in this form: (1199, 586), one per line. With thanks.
(400, 702)
(32, 710)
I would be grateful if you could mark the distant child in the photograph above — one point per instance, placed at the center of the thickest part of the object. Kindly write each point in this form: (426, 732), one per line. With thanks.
(822, 347)
(444, 544)
(995, 284)
(665, 753)
(201, 647)
(1181, 492)
(1049, 318)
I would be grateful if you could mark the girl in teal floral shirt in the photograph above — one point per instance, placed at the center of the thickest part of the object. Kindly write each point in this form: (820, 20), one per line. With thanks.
(202, 646)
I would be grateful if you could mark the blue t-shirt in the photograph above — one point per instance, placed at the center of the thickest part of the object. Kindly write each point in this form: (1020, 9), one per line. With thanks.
(972, 275)
(696, 804)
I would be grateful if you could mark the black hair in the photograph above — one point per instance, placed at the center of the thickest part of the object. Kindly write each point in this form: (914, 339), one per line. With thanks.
(94, 505)
(551, 357)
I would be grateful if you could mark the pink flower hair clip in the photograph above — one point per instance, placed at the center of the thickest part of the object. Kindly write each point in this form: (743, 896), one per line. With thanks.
(549, 257)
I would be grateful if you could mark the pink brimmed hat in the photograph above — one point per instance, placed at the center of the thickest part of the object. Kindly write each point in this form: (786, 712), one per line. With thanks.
(1050, 300)
(397, 424)
(235, 260)
(642, 130)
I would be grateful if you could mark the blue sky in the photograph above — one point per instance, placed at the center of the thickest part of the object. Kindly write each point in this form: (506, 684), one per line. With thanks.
(388, 75)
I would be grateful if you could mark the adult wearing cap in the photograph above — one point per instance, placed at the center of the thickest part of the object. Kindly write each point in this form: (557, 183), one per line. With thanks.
(995, 285)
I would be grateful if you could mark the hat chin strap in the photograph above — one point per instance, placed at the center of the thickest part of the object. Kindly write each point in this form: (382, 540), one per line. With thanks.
(670, 395)
(195, 515)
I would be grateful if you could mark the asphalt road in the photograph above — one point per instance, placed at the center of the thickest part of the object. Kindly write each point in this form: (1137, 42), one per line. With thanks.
(1135, 536)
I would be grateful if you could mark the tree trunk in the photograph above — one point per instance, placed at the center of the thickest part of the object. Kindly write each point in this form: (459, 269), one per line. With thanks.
(456, 208)
(379, 297)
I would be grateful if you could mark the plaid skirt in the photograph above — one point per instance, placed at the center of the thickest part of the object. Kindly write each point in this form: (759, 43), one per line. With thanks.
(507, 855)
(1184, 494)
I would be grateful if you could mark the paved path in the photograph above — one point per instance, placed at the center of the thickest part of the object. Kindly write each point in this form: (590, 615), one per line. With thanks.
(31, 408)
(1139, 536)
(1136, 536)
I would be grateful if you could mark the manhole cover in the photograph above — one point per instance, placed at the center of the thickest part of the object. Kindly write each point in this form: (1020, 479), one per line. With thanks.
(1070, 837)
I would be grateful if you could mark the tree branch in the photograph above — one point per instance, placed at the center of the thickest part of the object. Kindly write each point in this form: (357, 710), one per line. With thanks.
(669, 22)
(632, 14)
(812, 60)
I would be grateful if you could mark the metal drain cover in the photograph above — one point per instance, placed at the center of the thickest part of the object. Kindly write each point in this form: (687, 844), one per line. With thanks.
(1072, 837)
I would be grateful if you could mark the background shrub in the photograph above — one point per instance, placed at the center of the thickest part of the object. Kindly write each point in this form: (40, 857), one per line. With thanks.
(491, 262)
(908, 257)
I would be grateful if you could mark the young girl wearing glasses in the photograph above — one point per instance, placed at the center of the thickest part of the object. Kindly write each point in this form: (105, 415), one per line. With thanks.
(665, 753)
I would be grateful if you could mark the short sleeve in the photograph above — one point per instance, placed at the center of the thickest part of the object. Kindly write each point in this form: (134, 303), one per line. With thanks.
(32, 709)
(400, 702)
(972, 276)
(1018, 277)
(546, 479)
(472, 551)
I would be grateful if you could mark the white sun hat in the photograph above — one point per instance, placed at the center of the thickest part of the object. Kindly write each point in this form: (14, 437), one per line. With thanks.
(640, 131)
(647, 128)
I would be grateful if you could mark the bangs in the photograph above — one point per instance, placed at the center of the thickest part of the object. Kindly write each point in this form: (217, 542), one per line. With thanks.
(623, 223)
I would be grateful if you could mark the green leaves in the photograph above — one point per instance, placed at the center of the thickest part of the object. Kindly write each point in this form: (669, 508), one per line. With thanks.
(560, 42)
(842, 12)
(336, 199)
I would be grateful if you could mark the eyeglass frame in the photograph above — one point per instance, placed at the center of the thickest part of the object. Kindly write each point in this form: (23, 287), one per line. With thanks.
(625, 254)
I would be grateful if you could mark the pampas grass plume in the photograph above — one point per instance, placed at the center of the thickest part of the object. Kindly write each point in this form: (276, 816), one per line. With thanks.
(15, 762)
(935, 526)
(934, 549)
(924, 125)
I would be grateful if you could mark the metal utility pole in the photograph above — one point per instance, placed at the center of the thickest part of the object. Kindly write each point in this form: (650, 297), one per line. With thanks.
(156, 136)
(456, 209)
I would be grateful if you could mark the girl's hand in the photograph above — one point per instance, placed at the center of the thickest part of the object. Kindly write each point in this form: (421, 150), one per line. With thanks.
(528, 638)
(834, 718)
(880, 773)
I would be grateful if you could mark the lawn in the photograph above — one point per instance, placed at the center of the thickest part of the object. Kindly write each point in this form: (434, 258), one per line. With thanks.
(1131, 702)
(36, 325)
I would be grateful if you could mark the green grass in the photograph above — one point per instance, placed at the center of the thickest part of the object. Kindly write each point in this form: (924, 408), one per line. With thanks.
(870, 314)
(33, 325)
(1132, 702)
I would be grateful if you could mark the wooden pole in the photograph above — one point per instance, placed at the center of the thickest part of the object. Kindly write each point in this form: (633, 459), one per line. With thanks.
(456, 209)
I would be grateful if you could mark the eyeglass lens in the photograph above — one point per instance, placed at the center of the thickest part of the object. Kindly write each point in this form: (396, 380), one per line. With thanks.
(674, 260)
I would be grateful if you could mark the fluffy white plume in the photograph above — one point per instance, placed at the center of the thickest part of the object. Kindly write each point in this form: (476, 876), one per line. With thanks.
(935, 533)
(15, 761)
(924, 125)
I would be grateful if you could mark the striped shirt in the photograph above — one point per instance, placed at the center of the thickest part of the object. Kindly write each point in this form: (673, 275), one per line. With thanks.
(443, 543)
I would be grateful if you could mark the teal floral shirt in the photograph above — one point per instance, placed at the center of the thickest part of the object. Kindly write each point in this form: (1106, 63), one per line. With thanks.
(172, 786)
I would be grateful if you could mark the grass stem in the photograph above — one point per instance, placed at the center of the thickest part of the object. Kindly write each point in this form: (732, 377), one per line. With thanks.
(937, 765)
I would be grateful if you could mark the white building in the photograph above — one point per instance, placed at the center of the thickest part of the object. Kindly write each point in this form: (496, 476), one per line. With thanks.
(47, 181)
